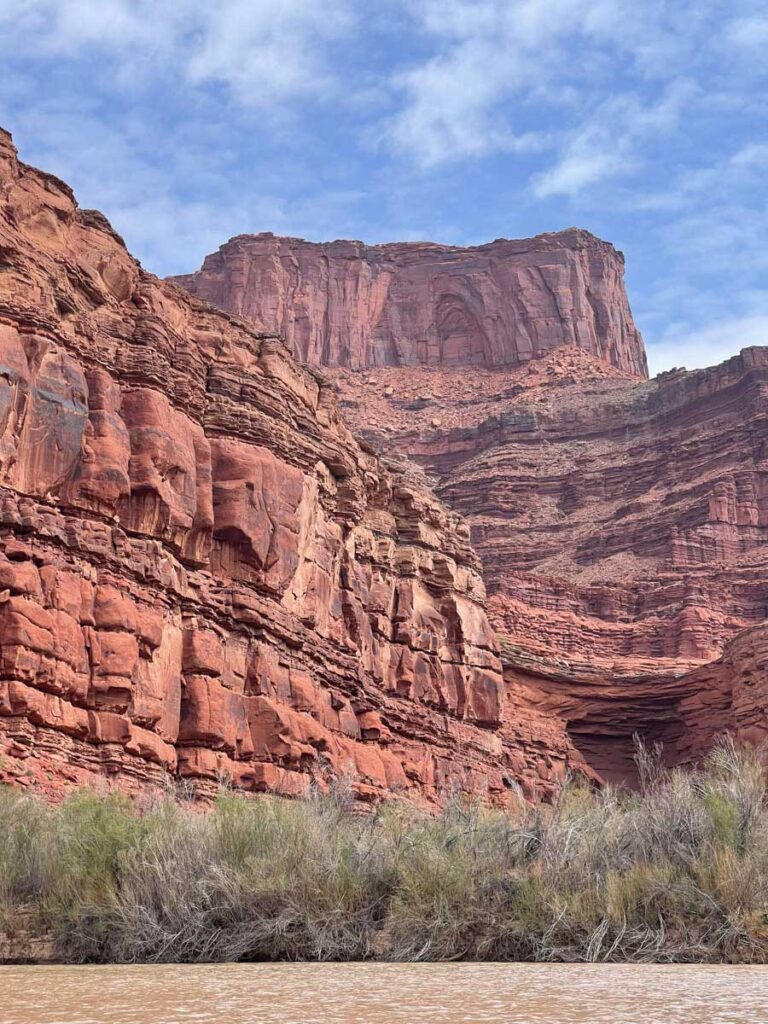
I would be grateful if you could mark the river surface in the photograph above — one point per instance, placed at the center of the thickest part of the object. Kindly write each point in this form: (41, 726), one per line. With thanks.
(384, 994)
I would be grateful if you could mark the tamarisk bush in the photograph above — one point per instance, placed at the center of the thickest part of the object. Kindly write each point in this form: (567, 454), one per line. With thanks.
(677, 871)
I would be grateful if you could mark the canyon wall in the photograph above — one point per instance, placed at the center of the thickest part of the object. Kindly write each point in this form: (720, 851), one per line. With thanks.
(406, 304)
(622, 523)
(207, 579)
(204, 576)
(623, 530)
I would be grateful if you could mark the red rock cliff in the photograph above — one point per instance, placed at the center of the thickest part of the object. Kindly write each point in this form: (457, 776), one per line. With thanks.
(623, 529)
(404, 304)
(202, 573)
(622, 524)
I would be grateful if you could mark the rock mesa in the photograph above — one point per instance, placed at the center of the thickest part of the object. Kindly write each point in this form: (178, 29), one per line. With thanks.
(418, 303)
(622, 524)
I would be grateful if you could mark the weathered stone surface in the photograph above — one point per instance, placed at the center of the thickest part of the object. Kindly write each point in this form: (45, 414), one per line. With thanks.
(203, 575)
(404, 304)
(622, 524)
(623, 530)
(729, 695)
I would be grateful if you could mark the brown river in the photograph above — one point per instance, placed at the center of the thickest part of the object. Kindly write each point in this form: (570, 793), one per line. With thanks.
(384, 994)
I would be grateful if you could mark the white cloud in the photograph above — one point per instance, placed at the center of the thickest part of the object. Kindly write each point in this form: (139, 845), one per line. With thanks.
(449, 115)
(449, 102)
(47, 27)
(754, 155)
(449, 108)
(263, 52)
(589, 156)
(750, 33)
(605, 145)
(491, 59)
(696, 347)
(272, 48)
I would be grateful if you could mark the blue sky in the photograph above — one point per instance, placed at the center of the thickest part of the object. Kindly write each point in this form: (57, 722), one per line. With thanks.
(457, 121)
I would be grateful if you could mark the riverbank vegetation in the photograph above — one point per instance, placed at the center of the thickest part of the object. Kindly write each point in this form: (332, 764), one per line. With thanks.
(675, 872)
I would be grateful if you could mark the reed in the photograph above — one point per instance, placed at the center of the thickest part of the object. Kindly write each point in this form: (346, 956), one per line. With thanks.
(675, 872)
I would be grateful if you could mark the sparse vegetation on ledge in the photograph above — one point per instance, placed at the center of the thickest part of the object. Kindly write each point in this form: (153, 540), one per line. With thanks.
(677, 872)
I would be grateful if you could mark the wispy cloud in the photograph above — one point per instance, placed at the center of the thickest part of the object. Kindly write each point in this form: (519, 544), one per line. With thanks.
(263, 53)
(695, 347)
(493, 59)
(272, 49)
(607, 143)
(187, 121)
(750, 33)
(170, 115)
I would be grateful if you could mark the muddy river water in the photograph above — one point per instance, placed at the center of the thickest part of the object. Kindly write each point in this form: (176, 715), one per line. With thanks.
(384, 994)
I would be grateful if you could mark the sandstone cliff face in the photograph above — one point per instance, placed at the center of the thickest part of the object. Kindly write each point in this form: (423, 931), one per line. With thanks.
(729, 695)
(622, 524)
(623, 530)
(203, 575)
(406, 304)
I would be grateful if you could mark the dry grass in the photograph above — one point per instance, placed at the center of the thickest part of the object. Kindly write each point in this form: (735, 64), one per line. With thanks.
(676, 872)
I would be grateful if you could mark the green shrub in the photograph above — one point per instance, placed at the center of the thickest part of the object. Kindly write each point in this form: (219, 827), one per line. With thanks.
(676, 872)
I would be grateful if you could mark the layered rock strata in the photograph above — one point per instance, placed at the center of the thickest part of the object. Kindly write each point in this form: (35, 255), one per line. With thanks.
(406, 304)
(203, 575)
(622, 523)
(623, 529)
